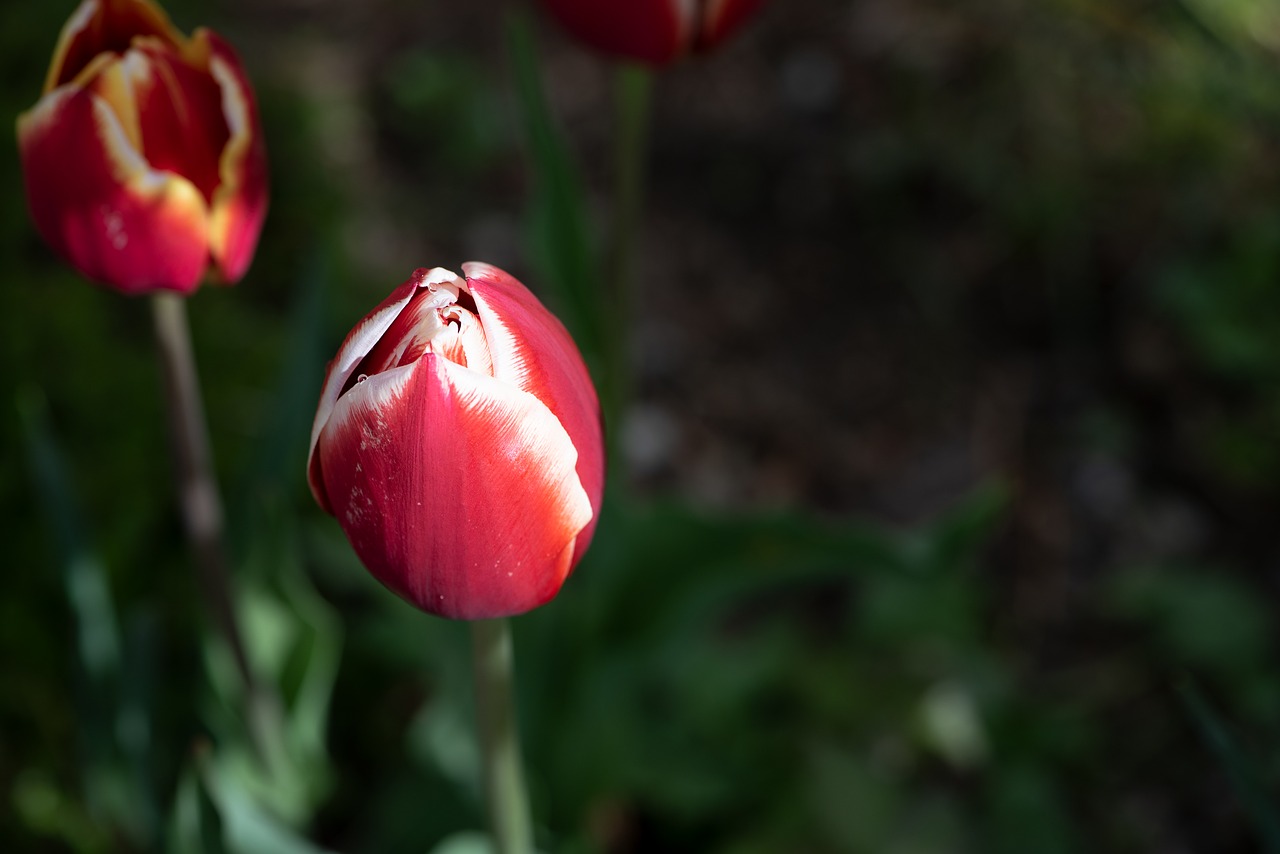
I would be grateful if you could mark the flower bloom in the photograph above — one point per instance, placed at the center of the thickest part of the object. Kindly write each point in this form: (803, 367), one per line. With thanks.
(458, 442)
(143, 159)
(652, 31)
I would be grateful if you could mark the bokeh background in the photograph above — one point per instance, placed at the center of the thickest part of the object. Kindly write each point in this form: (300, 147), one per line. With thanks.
(943, 516)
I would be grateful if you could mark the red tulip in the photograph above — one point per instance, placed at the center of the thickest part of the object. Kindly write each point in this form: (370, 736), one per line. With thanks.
(652, 31)
(458, 442)
(143, 159)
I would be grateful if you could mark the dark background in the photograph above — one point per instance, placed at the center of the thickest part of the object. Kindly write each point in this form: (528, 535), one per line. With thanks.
(944, 518)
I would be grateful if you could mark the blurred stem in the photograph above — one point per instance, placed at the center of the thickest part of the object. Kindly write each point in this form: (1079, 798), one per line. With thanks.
(631, 134)
(199, 498)
(499, 739)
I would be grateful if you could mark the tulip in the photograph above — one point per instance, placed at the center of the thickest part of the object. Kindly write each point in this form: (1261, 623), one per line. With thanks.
(458, 442)
(652, 31)
(143, 159)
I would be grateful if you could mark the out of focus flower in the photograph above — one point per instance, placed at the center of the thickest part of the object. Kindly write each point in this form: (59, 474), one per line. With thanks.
(651, 31)
(458, 442)
(143, 159)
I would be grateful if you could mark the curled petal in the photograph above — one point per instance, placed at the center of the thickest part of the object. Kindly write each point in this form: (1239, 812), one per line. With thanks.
(355, 347)
(532, 350)
(359, 342)
(96, 200)
(459, 492)
(464, 342)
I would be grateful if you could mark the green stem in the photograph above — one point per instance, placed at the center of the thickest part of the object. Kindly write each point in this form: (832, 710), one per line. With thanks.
(201, 504)
(631, 131)
(499, 739)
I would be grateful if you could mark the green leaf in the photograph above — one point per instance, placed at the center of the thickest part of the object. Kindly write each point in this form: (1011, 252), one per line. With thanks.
(1244, 773)
(247, 827)
(195, 826)
(294, 641)
(465, 843)
(114, 693)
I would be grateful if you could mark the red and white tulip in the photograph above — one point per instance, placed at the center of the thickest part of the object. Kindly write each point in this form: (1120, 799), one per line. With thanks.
(143, 159)
(651, 31)
(458, 442)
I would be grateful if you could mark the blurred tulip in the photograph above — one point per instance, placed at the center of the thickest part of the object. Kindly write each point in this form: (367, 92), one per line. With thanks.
(652, 31)
(458, 442)
(143, 159)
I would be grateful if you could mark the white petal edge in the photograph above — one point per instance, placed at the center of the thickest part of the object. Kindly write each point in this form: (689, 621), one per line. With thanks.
(377, 392)
(533, 428)
(78, 22)
(358, 344)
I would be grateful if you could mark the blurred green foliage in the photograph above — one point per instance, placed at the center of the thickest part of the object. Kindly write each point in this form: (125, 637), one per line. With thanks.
(743, 681)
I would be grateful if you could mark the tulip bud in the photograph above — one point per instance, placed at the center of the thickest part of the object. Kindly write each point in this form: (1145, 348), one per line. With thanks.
(143, 160)
(652, 31)
(458, 442)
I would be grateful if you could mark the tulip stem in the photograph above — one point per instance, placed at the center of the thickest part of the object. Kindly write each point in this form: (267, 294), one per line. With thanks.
(499, 738)
(632, 101)
(198, 493)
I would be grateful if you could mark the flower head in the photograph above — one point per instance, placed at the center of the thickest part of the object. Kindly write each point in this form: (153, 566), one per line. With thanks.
(143, 159)
(458, 442)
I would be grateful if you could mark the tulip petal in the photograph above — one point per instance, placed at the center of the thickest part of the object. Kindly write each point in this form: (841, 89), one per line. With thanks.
(531, 349)
(655, 32)
(105, 27)
(96, 201)
(179, 113)
(240, 201)
(359, 342)
(457, 491)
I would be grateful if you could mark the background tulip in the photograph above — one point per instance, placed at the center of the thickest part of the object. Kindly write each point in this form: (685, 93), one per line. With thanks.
(458, 442)
(143, 160)
(652, 31)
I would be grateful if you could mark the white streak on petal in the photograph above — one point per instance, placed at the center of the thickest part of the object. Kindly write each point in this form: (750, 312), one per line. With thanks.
(532, 440)
(234, 107)
(77, 23)
(375, 394)
(129, 165)
(443, 283)
(513, 369)
(358, 344)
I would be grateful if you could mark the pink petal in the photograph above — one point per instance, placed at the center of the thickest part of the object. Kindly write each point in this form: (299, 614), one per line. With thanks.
(532, 350)
(457, 491)
(97, 202)
(359, 342)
